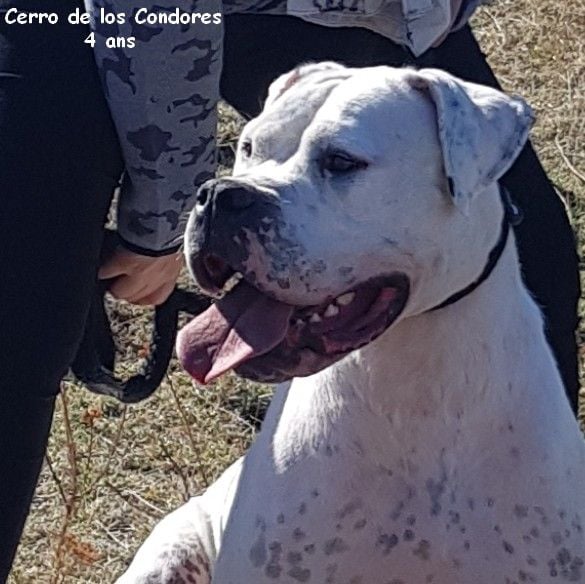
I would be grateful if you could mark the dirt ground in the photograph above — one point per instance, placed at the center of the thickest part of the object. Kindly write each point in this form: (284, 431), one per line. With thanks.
(112, 472)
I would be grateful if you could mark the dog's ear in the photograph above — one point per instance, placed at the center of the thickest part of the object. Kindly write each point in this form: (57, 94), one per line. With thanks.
(283, 83)
(481, 130)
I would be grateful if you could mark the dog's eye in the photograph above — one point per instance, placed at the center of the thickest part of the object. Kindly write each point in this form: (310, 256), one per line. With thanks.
(340, 162)
(247, 148)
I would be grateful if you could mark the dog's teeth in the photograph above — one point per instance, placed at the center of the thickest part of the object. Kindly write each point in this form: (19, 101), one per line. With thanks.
(332, 310)
(345, 299)
(315, 318)
(232, 282)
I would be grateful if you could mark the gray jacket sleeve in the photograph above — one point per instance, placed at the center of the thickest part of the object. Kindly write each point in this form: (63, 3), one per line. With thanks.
(163, 95)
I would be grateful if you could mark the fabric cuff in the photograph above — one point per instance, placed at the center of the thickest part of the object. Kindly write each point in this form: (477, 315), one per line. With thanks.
(152, 253)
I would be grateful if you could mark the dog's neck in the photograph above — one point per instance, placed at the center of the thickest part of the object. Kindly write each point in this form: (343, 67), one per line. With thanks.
(460, 359)
(453, 378)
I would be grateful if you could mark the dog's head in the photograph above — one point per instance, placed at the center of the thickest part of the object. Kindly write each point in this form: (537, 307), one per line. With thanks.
(359, 197)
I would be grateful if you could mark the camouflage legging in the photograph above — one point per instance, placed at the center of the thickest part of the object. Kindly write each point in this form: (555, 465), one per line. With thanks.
(163, 96)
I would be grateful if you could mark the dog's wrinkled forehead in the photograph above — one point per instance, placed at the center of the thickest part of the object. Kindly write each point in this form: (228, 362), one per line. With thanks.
(293, 100)
(477, 131)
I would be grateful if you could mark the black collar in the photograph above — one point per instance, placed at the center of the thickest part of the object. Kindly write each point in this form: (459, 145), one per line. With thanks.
(512, 217)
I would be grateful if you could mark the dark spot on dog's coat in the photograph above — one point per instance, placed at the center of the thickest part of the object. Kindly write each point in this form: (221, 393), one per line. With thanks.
(299, 574)
(335, 545)
(258, 552)
(508, 547)
(360, 524)
(408, 535)
(521, 511)
(294, 557)
(423, 550)
(387, 542)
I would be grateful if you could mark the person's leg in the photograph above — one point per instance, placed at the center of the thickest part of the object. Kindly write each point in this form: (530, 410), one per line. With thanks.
(258, 48)
(546, 243)
(59, 164)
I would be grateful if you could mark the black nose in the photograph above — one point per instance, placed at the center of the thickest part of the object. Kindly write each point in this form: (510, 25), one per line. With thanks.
(226, 196)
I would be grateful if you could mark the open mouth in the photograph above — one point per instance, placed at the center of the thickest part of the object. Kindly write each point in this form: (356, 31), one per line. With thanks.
(268, 340)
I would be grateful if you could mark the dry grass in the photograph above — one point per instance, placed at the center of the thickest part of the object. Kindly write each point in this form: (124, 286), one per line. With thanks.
(112, 472)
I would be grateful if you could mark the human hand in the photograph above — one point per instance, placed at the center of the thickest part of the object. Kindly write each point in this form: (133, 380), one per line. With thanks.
(141, 279)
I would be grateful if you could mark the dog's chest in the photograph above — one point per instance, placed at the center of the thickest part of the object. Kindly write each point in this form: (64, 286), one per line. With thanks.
(396, 531)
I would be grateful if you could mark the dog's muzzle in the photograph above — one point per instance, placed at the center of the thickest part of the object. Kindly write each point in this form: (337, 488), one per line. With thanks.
(251, 329)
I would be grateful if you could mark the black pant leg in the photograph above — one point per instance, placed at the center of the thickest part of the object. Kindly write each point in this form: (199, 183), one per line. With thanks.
(59, 164)
(258, 48)
(545, 239)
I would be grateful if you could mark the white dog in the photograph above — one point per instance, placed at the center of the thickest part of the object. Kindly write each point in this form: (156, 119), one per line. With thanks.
(426, 437)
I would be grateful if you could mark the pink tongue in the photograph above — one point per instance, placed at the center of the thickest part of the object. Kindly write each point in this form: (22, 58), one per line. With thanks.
(242, 325)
